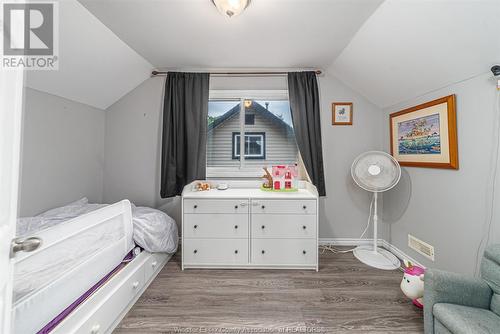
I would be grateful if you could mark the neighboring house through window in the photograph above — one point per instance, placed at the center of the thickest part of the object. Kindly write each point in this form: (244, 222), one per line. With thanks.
(265, 119)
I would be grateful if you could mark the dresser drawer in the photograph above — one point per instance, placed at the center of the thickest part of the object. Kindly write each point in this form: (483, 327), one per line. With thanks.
(238, 206)
(286, 206)
(283, 226)
(284, 251)
(215, 251)
(215, 226)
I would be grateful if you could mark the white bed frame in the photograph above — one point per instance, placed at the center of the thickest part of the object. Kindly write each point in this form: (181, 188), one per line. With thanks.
(102, 311)
(106, 307)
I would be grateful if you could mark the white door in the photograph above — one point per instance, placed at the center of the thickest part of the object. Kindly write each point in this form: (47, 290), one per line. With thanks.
(11, 100)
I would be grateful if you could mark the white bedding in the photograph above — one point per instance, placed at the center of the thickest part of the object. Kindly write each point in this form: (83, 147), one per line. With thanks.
(153, 230)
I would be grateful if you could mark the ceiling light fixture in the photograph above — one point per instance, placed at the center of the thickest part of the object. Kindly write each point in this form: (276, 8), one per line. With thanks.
(231, 8)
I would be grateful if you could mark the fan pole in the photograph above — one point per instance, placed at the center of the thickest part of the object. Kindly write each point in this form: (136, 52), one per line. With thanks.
(375, 222)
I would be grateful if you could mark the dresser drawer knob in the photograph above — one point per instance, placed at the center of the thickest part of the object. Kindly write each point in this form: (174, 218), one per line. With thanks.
(263, 227)
(95, 329)
(304, 207)
(236, 207)
(236, 252)
(195, 226)
(195, 251)
(263, 251)
(236, 226)
(195, 206)
(135, 284)
(304, 227)
(304, 252)
(263, 207)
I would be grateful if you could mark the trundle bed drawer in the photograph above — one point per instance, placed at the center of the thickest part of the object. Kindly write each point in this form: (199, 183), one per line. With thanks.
(101, 321)
(239, 206)
(152, 264)
(215, 251)
(215, 226)
(283, 226)
(307, 206)
(284, 251)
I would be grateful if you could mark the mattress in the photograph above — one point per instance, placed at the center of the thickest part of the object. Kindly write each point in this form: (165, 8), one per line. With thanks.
(74, 256)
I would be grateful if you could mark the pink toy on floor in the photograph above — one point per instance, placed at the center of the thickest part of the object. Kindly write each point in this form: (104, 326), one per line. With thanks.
(412, 284)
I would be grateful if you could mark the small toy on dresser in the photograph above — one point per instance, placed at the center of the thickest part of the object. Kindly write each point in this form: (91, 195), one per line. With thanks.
(412, 284)
(202, 186)
(283, 178)
(268, 184)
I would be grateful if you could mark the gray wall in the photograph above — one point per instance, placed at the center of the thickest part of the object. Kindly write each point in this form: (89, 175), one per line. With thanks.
(344, 210)
(132, 145)
(62, 152)
(446, 208)
(133, 150)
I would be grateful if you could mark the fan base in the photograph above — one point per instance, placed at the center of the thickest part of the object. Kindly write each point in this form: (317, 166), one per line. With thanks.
(381, 259)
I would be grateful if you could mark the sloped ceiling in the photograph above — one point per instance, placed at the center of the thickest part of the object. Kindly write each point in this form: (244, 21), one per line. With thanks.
(95, 66)
(183, 34)
(408, 48)
(388, 51)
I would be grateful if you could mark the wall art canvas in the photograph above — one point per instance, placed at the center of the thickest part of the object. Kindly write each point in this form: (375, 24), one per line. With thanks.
(426, 135)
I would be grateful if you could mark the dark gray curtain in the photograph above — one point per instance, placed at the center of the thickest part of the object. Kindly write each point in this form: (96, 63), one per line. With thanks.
(185, 110)
(304, 104)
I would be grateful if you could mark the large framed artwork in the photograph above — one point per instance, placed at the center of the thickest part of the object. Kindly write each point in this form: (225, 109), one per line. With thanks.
(426, 135)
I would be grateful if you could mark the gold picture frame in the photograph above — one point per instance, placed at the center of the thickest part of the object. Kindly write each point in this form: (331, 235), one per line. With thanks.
(342, 113)
(426, 135)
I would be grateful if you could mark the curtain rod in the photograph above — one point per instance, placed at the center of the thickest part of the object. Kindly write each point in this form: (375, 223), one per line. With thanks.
(159, 73)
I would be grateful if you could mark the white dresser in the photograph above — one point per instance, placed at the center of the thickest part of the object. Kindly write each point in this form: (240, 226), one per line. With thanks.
(245, 227)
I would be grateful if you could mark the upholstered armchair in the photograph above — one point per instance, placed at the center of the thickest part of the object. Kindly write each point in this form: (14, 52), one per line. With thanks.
(462, 305)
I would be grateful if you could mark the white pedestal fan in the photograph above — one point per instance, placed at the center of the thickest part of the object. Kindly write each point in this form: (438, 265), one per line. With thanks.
(376, 172)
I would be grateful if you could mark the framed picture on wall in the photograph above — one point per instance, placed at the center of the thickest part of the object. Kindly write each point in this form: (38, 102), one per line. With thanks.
(342, 113)
(426, 135)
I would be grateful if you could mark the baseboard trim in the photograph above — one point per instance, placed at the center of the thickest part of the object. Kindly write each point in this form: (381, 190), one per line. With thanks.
(400, 254)
(345, 241)
(363, 242)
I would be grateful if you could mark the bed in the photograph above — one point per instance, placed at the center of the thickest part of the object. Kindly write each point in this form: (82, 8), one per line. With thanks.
(89, 260)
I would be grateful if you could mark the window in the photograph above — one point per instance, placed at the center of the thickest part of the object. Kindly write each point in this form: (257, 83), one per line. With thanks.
(264, 119)
(255, 145)
(249, 119)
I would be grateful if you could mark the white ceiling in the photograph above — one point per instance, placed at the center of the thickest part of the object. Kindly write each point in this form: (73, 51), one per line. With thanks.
(95, 66)
(389, 52)
(411, 47)
(183, 34)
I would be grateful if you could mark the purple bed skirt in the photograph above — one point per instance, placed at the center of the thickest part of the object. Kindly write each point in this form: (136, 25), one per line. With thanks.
(61, 316)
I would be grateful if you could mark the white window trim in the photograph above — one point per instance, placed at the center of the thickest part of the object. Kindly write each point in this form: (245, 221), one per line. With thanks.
(276, 94)
(242, 171)
(262, 150)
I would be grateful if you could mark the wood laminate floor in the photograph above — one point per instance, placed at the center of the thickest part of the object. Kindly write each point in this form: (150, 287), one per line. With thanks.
(345, 296)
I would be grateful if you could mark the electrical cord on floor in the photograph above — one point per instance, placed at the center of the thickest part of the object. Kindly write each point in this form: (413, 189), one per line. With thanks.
(330, 248)
(492, 179)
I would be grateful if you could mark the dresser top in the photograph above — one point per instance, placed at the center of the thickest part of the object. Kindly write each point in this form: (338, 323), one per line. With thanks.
(305, 191)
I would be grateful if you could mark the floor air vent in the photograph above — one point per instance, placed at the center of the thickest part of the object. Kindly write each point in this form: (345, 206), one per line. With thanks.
(421, 247)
